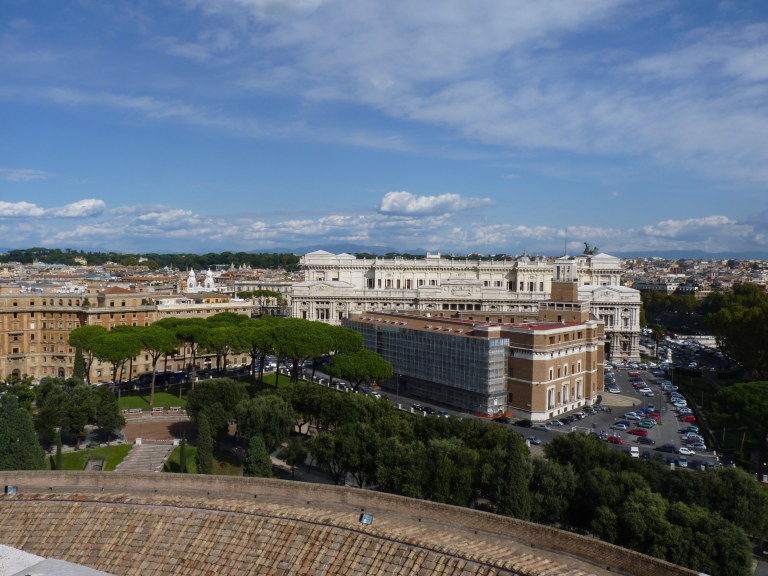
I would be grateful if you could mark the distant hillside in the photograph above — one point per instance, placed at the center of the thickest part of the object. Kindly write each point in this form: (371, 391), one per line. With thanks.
(693, 255)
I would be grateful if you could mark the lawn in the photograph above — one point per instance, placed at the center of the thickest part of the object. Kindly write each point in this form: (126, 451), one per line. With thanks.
(224, 464)
(142, 401)
(112, 455)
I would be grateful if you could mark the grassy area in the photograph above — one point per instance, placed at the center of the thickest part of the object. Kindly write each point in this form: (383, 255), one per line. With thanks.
(112, 456)
(163, 399)
(172, 464)
(224, 464)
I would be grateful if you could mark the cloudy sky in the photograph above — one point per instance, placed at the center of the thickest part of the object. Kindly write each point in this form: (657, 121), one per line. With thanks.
(464, 126)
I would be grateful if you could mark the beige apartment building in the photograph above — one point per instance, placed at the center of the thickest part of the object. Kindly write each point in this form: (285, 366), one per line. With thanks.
(501, 291)
(35, 326)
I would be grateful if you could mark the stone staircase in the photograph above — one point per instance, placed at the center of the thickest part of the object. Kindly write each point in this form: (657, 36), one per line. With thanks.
(145, 458)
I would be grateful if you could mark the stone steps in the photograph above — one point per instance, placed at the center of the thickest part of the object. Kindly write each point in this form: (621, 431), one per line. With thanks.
(145, 458)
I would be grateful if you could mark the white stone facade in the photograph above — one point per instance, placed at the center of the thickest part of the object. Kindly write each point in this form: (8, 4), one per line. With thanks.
(487, 290)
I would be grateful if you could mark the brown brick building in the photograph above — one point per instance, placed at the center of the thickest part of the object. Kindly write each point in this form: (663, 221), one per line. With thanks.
(533, 369)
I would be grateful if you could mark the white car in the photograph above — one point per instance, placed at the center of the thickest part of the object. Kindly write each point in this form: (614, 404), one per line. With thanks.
(686, 451)
(614, 390)
(632, 416)
(684, 410)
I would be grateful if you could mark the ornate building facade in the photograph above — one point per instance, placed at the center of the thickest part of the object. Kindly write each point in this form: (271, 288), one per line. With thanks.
(503, 291)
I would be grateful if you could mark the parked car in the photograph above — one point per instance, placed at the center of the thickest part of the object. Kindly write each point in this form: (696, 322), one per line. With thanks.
(646, 440)
(700, 446)
(690, 428)
(618, 426)
(686, 451)
(615, 440)
(631, 416)
(555, 423)
(614, 390)
(533, 440)
(688, 418)
(638, 432)
(540, 427)
(501, 420)
(682, 462)
(524, 423)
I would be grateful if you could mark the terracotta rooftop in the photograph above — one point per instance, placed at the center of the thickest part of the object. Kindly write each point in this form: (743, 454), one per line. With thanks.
(117, 290)
(187, 525)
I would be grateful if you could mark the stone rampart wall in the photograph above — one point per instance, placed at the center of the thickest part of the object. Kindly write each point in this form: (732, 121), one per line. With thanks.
(163, 524)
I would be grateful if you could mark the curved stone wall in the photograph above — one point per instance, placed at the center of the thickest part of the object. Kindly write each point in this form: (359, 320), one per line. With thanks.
(169, 524)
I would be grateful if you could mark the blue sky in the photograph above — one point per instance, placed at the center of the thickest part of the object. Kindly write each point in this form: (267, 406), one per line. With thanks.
(484, 126)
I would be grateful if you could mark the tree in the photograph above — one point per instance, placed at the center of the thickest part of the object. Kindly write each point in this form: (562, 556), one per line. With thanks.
(225, 391)
(269, 417)
(191, 332)
(257, 463)
(117, 347)
(293, 453)
(741, 327)
(183, 454)
(58, 451)
(357, 446)
(360, 366)
(508, 476)
(324, 450)
(204, 454)
(450, 471)
(401, 467)
(750, 401)
(106, 411)
(552, 488)
(257, 338)
(297, 340)
(79, 369)
(85, 338)
(157, 341)
(19, 448)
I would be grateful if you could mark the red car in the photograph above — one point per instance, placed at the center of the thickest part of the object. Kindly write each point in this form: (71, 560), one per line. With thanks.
(638, 432)
(688, 418)
(615, 440)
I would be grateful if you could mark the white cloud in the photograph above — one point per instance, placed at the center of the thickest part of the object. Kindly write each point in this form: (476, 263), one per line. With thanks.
(23, 175)
(407, 203)
(20, 210)
(81, 209)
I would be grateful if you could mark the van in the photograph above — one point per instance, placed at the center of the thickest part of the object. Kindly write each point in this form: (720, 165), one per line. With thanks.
(634, 451)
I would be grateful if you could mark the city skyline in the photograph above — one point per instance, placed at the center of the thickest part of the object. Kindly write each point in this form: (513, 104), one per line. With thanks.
(492, 127)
